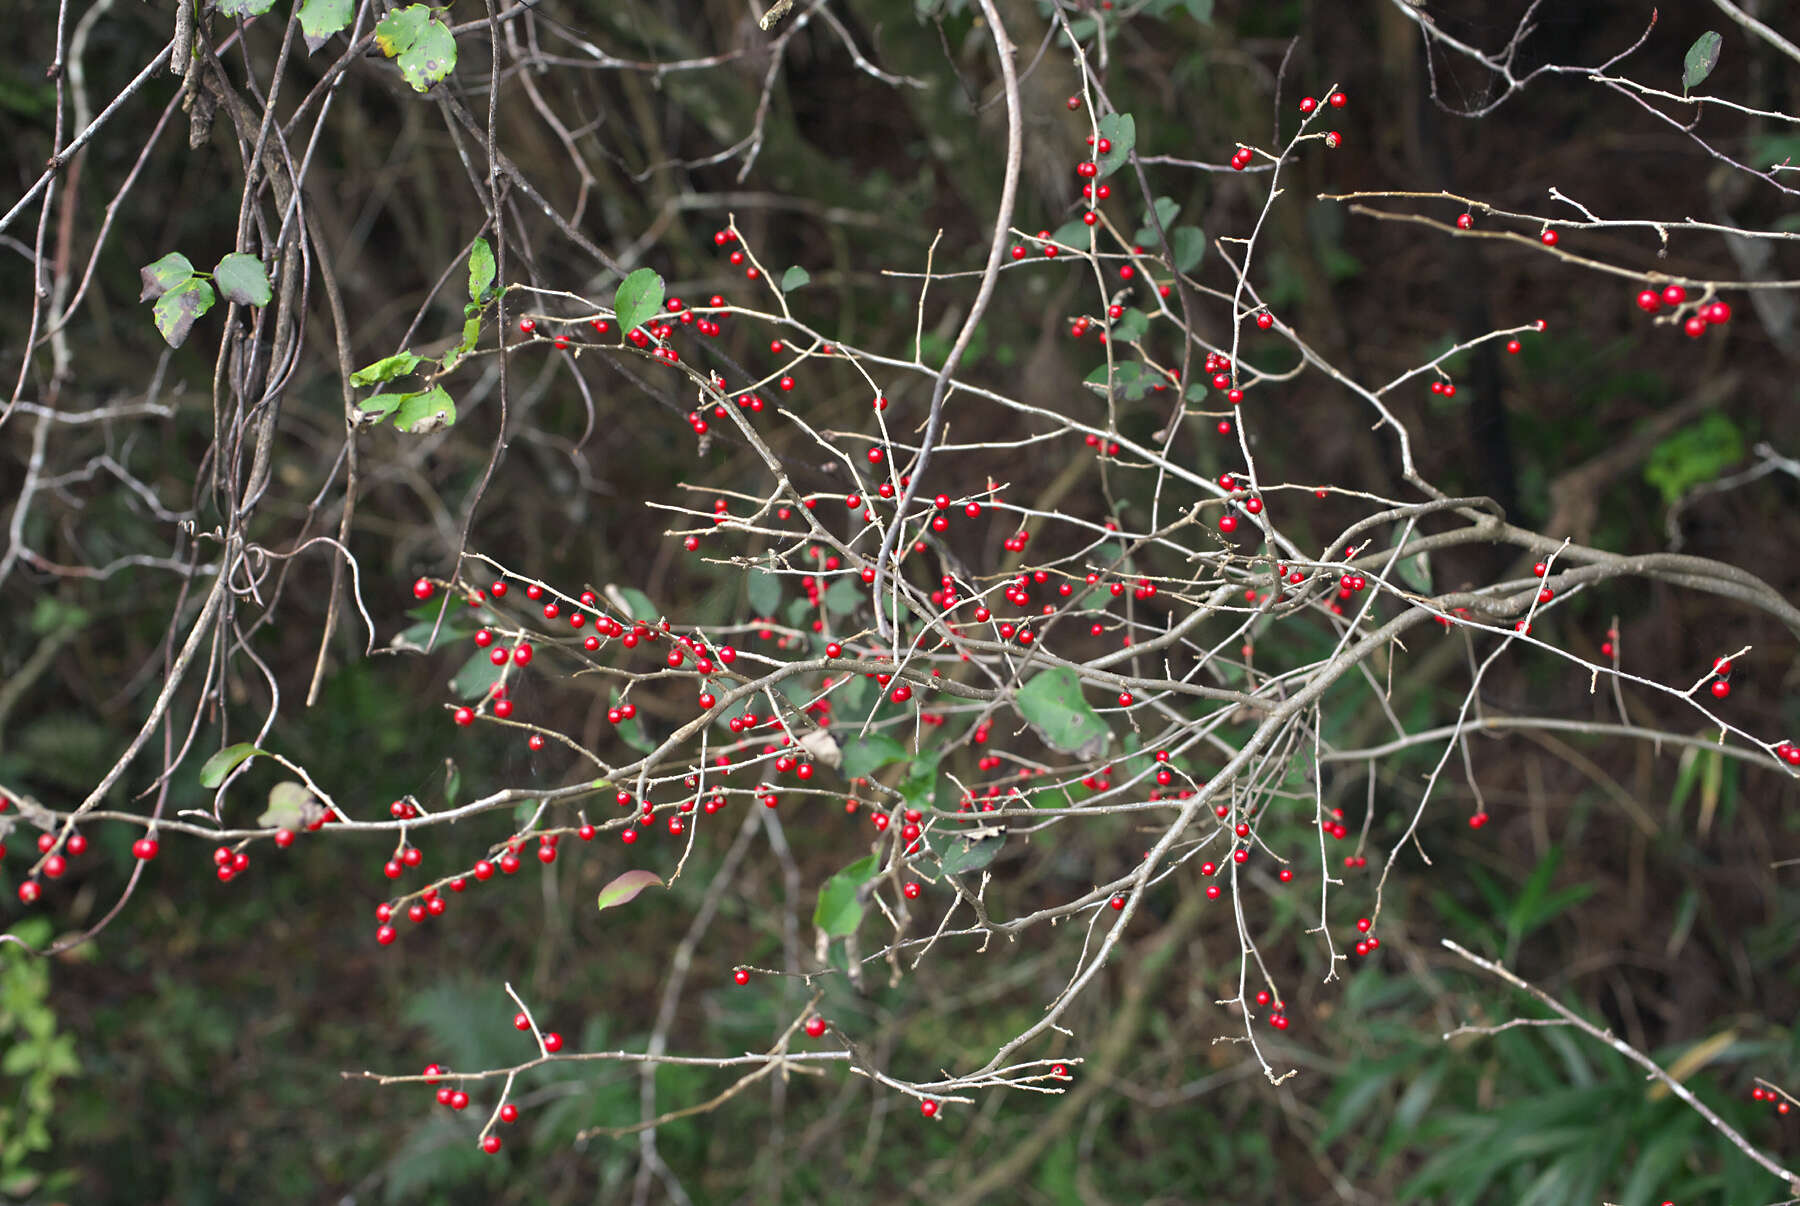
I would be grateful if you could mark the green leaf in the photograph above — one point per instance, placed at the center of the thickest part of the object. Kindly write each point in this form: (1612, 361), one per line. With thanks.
(1053, 703)
(242, 279)
(385, 369)
(765, 591)
(1129, 327)
(1199, 10)
(639, 603)
(795, 278)
(839, 911)
(969, 853)
(1189, 246)
(1698, 453)
(377, 408)
(1121, 131)
(1167, 208)
(481, 269)
(865, 756)
(319, 19)
(177, 310)
(245, 8)
(1128, 380)
(625, 887)
(225, 761)
(637, 300)
(844, 596)
(164, 275)
(287, 806)
(471, 334)
(477, 675)
(452, 783)
(1076, 234)
(422, 45)
(631, 732)
(919, 788)
(1702, 57)
(424, 413)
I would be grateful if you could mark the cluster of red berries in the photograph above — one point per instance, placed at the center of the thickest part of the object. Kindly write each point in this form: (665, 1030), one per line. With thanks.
(1705, 314)
(1721, 684)
(1758, 1093)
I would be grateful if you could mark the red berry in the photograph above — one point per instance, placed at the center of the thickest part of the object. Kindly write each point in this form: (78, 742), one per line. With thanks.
(145, 849)
(1720, 690)
(490, 1144)
(928, 1108)
(1549, 238)
(741, 976)
(509, 1112)
(815, 1026)
(552, 1041)
(422, 589)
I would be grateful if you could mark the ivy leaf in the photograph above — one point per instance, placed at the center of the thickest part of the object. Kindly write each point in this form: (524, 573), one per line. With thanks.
(422, 46)
(765, 591)
(177, 310)
(1189, 247)
(213, 772)
(319, 19)
(639, 297)
(1702, 57)
(385, 369)
(287, 806)
(626, 886)
(863, 757)
(164, 275)
(795, 278)
(426, 412)
(242, 279)
(839, 910)
(1120, 130)
(245, 8)
(481, 269)
(1053, 703)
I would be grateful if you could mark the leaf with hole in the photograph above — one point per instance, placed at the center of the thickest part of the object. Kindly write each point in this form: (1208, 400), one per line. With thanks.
(481, 269)
(241, 279)
(840, 910)
(1702, 57)
(637, 300)
(1053, 703)
(424, 413)
(795, 278)
(385, 369)
(177, 310)
(1120, 130)
(213, 772)
(319, 19)
(867, 755)
(377, 408)
(421, 45)
(287, 806)
(164, 275)
(626, 886)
